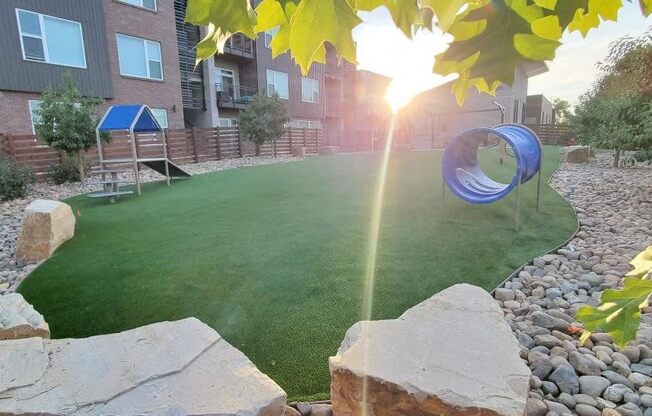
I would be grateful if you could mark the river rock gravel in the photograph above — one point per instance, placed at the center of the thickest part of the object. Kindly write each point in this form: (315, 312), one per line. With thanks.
(614, 210)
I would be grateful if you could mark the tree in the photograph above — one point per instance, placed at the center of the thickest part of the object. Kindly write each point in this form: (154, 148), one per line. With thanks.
(263, 120)
(66, 120)
(491, 37)
(561, 111)
(617, 112)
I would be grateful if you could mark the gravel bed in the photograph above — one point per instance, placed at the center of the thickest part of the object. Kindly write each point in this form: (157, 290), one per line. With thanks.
(614, 208)
(11, 273)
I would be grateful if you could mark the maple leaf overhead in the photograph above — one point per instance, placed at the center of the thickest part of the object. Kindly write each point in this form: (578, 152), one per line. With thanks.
(498, 35)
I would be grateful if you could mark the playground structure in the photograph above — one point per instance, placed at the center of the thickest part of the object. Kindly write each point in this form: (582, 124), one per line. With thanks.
(134, 119)
(464, 177)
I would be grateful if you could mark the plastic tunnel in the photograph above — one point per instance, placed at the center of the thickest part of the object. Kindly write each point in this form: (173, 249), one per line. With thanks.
(462, 173)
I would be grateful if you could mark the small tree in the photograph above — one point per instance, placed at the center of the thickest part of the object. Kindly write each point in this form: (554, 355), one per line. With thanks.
(264, 120)
(560, 111)
(66, 120)
(617, 112)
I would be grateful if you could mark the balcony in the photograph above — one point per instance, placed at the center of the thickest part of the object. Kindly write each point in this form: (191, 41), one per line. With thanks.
(240, 46)
(229, 96)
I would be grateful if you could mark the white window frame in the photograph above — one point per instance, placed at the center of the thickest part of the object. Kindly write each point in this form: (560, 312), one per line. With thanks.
(227, 122)
(140, 5)
(269, 34)
(31, 113)
(145, 41)
(308, 124)
(44, 39)
(274, 74)
(165, 111)
(314, 83)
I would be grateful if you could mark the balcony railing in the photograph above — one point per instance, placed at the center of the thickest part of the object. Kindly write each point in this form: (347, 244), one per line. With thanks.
(229, 96)
(240, 45)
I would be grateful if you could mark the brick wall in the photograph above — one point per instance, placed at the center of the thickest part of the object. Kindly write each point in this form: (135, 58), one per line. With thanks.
(14, 112)
(157, 26)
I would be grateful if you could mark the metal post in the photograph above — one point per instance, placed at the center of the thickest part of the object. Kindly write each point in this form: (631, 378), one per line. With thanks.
(134, 154)
(99, 148)
(165, 155)
(538, 187)
(443, 197)
(517, 214)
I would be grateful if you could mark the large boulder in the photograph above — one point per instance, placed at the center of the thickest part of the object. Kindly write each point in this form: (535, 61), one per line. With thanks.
(46, 225)
(168, 368)
(452, 354)
(574, 154)
(18, 319)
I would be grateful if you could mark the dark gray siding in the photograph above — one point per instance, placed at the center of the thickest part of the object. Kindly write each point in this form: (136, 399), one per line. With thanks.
(16, 74)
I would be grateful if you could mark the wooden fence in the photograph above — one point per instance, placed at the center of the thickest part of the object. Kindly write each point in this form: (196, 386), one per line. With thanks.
(184, 146)
(553, 134)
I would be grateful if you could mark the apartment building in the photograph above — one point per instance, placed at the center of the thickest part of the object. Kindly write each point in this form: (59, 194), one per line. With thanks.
(124, 51)
(434, 115)
(219, 88)
(539, 110)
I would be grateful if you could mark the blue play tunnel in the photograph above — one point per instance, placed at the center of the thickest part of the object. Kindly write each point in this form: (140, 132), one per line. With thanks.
(462, 173)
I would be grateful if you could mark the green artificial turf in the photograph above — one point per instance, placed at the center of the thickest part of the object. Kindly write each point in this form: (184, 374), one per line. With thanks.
(273, 257)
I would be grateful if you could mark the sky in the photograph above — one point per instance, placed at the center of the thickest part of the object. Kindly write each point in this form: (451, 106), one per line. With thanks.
(384, 49)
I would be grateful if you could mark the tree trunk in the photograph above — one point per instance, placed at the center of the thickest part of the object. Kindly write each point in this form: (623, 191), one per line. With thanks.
(81, 168)
(616, 158)
(257, 149)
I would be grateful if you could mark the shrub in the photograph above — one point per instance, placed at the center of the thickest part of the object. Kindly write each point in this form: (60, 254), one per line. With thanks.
(263, 120)
(15, 178)
(65, 172)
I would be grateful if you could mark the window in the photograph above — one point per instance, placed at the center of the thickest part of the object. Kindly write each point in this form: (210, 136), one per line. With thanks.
(268, 36)
(161, 116)
(145, 4)
(33, 107)
(306, 124)
(227, 122)
(50, 39)
(277, 82)
(225, 81)
(309, 90)
(139, 58)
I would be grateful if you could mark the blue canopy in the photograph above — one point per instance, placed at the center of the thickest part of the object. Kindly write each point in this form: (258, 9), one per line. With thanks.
(122, 117)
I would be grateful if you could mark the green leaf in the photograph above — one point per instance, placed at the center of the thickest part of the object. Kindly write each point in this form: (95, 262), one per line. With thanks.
(646, 7)
(534, 47)
(223, 20)
(274, 14)
(546, 4)
(642, 264)
(368, 5)
(619, 312)
(445, 10)
(405, 14)
(547, 27)
(319, 21)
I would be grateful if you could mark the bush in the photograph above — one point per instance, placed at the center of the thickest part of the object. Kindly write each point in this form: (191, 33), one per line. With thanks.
(15, 178)
(65, 172)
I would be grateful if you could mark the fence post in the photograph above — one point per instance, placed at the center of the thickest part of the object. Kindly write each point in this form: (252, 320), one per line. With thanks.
(240, 144)
(274, 146)
(290, 138)
(193, 134)
(218, 147)
(304, 137)
(12, 146)
(316, 140)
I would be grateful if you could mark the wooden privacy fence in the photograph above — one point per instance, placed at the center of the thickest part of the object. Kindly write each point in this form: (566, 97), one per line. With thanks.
(184, 146)
(553, 134)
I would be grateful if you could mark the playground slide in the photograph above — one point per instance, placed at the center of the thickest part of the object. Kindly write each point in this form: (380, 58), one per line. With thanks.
(463, 175)
(159, 166)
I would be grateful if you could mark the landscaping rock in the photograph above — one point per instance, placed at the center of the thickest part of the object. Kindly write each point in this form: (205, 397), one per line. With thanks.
(181, 367)
(452, 375)
(566, 379)
(46, 225)
(574, 154)
(586, 410)
(18, 319)
(593, 385)
(535, 407)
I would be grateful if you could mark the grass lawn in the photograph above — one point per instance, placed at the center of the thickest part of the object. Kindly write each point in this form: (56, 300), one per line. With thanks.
(273, 257)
